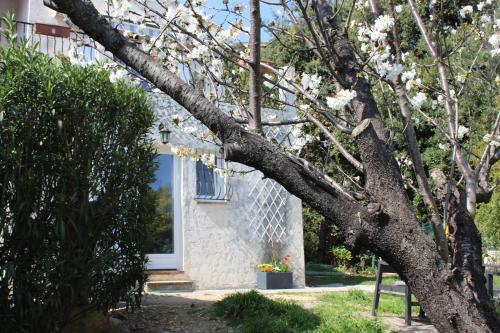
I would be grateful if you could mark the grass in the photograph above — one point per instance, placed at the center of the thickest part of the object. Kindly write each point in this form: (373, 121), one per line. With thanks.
(252, 312)
(496, 280)
(340, 312)
(346, 279)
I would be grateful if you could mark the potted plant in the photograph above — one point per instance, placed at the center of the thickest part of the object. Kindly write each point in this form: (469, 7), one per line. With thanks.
(275, 275)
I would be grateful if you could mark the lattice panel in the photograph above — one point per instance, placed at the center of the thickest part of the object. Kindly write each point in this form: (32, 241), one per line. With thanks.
(267, 210)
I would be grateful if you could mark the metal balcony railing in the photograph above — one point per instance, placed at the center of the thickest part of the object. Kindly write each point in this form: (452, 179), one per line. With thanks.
(54, 41)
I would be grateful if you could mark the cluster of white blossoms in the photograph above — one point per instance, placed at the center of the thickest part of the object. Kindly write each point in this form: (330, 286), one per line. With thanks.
(494, 41)
(311, 83)
(491, 140)
(208, 160)
(341, 99)
(379, 55)
(418, 100)
(378, 32)
(190, 39)
(485, 14)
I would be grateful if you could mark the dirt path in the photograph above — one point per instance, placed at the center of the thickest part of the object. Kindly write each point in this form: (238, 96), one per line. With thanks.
(169, 314)
(190, 313)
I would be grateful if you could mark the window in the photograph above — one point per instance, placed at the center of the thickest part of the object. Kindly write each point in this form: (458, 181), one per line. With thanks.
(210, 184)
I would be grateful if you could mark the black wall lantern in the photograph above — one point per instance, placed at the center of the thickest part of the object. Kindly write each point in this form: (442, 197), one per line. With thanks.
(164, 133)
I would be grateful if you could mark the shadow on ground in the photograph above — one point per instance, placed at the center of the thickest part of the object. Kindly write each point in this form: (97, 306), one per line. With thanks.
(172, 313)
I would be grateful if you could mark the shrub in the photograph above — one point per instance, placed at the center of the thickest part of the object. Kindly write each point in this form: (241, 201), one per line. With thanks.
(75, 164)
(341, 256)
(488, 221)
(254, 312)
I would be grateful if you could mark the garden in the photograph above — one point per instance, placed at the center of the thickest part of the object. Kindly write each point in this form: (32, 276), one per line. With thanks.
(393, 153)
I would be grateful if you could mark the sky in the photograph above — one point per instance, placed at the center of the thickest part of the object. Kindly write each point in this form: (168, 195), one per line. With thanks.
(266, 13)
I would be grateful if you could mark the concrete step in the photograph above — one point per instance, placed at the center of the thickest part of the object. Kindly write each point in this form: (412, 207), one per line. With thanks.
(166, 275)
(169, 285)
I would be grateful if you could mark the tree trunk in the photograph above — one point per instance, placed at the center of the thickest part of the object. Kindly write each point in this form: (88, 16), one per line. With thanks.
(325, 242)
(455, 300)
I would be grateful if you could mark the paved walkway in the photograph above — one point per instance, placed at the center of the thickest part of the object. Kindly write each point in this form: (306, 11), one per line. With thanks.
(335, 287)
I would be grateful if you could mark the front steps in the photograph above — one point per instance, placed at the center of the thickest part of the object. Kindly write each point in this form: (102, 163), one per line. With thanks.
(167, 281)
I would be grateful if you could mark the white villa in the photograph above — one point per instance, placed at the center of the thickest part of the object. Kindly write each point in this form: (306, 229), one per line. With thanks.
(218, 227)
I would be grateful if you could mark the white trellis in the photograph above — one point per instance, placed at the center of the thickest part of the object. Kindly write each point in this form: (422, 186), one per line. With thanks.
(267, 213)
(267, 210)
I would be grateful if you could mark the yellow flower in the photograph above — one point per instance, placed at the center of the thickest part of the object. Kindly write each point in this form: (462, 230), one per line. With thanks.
(266, 268)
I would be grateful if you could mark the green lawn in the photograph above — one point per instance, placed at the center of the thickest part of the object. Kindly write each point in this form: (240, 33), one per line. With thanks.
(340, 312)
(346, 279)
(350, 279)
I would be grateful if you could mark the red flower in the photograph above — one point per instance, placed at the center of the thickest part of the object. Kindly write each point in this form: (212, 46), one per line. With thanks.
(287, 257)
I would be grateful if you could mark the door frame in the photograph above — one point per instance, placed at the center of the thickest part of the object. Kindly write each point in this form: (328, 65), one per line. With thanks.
(171, 261)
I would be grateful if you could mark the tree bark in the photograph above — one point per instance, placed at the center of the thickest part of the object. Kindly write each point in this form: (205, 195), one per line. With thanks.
(455, 300)
(255, 80)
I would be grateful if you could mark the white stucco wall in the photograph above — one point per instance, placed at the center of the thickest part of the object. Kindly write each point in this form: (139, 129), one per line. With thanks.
(12, 5)
(220, 248)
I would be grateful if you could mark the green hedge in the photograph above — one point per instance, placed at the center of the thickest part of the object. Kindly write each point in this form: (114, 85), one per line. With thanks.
(75, 164)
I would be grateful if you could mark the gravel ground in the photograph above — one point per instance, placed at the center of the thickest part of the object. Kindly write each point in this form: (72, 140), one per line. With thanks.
(190, 312)
(169, 314)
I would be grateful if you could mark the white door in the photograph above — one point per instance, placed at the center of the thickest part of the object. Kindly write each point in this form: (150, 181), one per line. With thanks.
(164, 235)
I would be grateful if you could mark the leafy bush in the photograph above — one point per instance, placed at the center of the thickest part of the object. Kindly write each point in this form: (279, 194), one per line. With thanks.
(341, 256)
(488, 221)
(254, 312)
(75, 164)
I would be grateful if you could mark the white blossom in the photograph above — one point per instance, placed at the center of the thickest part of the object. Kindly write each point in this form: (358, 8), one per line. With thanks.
(418, 100)
(486, 19)
(384, 23)
(208, 160)
(409, 75)
(310, 82)
(480, 6)
(466, 10)
(340, 100)
(393, 72)
(399, 8)
(494, 41)
(462, 131)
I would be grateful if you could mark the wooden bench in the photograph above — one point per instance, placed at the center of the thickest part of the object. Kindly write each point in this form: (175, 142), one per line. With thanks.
(400, 290)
